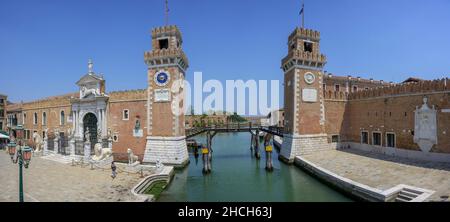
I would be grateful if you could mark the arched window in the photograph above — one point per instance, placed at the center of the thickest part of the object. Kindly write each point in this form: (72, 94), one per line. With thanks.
(35, 119)
(62, 118)
(44, 118)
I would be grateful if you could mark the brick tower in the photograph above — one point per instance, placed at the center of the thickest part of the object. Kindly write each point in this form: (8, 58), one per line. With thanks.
(167, 66)
(303, 97)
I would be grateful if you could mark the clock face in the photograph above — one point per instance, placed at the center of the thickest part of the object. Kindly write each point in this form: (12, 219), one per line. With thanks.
(310, 78)
(162, 78)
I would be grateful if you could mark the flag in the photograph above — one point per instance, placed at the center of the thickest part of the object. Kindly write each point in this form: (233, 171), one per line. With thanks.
(303, 9)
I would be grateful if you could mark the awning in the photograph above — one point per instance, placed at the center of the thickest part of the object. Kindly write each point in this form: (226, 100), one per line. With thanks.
(3, 136)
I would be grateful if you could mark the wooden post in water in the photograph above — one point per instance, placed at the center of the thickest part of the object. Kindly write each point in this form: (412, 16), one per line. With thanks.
(257, 154)
(268, 148)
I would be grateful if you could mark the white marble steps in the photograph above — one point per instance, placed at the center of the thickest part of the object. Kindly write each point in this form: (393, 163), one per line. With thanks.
(58, 158)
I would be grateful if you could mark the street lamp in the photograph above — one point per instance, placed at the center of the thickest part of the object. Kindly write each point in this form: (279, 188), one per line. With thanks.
(23, 157)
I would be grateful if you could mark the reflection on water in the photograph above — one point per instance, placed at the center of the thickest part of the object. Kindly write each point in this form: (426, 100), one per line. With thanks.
(238, 176)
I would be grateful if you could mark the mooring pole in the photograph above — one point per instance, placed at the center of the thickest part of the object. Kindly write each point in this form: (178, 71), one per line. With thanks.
(257, 155)
(268, 148)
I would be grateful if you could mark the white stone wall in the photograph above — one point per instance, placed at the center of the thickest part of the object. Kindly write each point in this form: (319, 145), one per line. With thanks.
(169, 150)
(402, 153)
(295, 145)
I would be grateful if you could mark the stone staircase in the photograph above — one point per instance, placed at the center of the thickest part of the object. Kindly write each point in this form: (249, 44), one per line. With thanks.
(58, 158)
(408, 195)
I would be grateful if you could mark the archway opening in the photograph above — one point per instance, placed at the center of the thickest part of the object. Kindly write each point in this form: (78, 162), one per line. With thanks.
(90, 124)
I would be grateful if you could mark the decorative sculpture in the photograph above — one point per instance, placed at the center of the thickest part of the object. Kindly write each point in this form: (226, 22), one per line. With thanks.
(46, 134)
(38, 142)
(137, 126)
(85, 92)
(425, 129)
(132, 159)
(101, 153)
(159, 165)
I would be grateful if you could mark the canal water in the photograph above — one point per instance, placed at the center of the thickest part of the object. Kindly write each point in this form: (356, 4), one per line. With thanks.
(238, 176)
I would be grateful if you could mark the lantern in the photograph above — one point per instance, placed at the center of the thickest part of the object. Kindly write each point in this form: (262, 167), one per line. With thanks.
(26, 155)
(19, 132)
(12, 149)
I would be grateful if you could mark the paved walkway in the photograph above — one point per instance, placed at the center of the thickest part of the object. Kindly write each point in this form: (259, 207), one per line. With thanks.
(50, 181)
(383, 172)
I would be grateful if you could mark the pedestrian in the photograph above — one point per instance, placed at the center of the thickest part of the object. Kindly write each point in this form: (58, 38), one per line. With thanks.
(113, 169)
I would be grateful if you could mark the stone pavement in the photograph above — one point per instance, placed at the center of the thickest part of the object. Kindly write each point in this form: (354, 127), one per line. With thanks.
(50, 181)
(383, 172)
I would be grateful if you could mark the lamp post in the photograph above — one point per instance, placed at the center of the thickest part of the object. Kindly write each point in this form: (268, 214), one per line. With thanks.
(23, 157)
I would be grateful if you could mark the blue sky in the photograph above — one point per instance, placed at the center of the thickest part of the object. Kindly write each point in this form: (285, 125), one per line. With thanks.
(45, 45)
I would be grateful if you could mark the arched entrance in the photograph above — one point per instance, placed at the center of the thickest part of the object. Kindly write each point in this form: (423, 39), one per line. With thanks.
(90, 122)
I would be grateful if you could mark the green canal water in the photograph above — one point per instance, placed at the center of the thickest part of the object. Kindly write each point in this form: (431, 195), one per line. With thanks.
(238, 176)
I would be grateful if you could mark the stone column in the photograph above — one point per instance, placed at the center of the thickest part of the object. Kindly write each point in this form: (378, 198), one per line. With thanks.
(56, 145)
(110, 140)
(45, 145)
(72, 146)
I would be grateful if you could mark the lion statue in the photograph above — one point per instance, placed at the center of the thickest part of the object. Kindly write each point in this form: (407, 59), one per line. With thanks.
(101, 153)
(39, 143)
(131, 157)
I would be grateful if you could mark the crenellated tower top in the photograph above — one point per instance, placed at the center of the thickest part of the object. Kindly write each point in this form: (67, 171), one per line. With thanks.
(304, 50)
(166, 48)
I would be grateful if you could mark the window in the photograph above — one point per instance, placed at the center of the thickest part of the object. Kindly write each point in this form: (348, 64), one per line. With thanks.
(2, 113)
(116, 138)
(335, 138)
(308, 47)
(24, 118)
(364, 137)
(1, 101)
(336, 87)
(390, 139)
(62, 117)
(376, 138)
(35, 119)
(355, 88)
(44, 118)
(43, 134)
(126, 114)
(163, 43)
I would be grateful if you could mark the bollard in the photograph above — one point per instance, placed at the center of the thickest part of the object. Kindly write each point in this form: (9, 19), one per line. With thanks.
(92, 165)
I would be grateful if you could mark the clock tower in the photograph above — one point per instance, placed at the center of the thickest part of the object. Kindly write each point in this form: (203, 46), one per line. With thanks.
(166, 72)
(303, 95)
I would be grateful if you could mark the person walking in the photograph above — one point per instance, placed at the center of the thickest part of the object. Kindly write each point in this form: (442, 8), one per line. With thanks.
(113, 169)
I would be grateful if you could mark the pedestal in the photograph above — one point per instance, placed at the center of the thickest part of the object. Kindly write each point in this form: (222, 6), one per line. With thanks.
(72, 147)
(87, 151)
(296, 145)
(45, 146)
(56, 145)
(169, 150)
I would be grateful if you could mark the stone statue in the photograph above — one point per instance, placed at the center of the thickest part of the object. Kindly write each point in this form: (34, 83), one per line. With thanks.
(87, 135)
(56, 134)
(38, 142)
(46, 134)
(101, 153)
(109, 133)
(132, 159)
(85, 92)
(159, 165)
(137, 126)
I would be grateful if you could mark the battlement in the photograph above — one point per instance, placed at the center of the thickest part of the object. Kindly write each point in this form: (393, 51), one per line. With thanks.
(155, 57)
(163, 31)
(402, 89)
(302, 33)
(332, 77)
(334, 95)
(308, 57)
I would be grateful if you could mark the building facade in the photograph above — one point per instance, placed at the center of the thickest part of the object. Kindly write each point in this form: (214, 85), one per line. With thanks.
(3, 119)
(323, 111)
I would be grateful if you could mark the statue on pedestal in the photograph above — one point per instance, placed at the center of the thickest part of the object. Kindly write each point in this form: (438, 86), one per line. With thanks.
(132, 159)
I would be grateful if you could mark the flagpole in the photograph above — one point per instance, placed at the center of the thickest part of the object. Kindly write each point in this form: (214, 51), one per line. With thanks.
(167, 12)
(303, 15)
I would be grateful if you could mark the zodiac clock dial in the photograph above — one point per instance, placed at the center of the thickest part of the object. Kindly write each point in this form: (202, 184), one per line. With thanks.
(310, 78)
(162, 78)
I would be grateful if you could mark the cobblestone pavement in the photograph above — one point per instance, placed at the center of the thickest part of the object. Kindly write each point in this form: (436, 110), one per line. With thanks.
(383, 172)
(50, 181)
